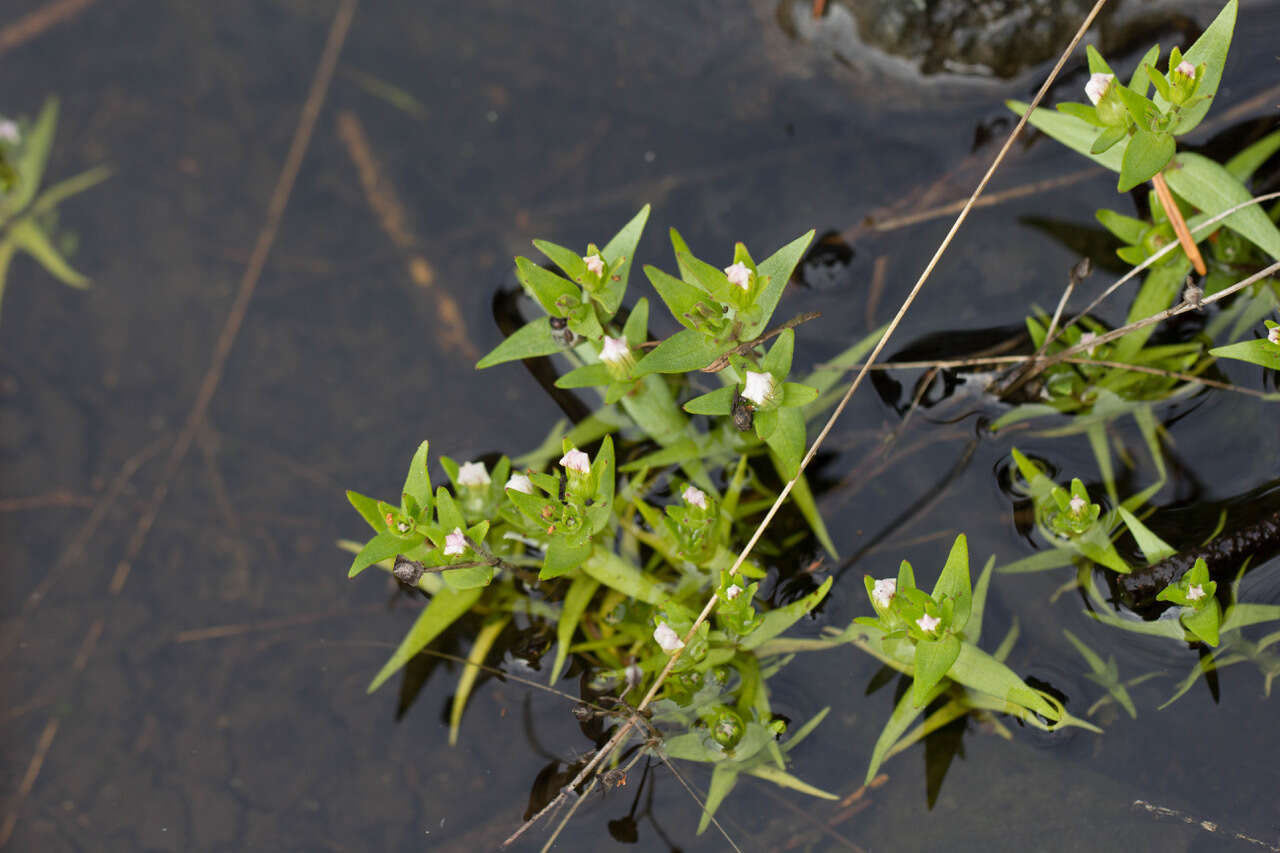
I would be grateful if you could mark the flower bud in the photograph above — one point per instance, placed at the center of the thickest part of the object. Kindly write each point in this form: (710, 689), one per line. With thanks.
(739, 275)
(576, 462)
(473, 475)
(883, 592)
(520, 483)
(760, 388)
(694, 496)
(616, 355)
(455, 544)
(666, 637)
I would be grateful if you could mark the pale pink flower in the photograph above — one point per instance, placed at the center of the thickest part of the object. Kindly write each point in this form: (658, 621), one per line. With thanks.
(1186, 69)
(928, 623)
(1088, 341)
(576, 460)
(520, 483)
(1195, 593)
(1078, 504)
(595, 264)
(759, 388)
(614, 350)
(884, 591)
(694, 496)
(732, 592)
(739, 274)
(9, 131)
(666, 637)
(473, 474)
(1273, 334)
(455, 543)
(1097, 87)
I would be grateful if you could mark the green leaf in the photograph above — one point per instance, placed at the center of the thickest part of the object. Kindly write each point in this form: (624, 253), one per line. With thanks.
(445, 608)
(1244, 164)
(636, 329)
(802, 497)
(684, 351)
(30, 164)
(1141, 74)
(1127, 228)
(723, 778)
(973, 630)
(976, 669)
(29, 237)
(568, 260)
(547, 287)
(1073, 132)
(778, 267)
(717, 402)
(781, 778)
(1213, 189)
(1211, 48)
(1154, 549)
(1097, 65)
(1108, 137)
(587, 376)
(904, 713)
(621, 247)
(778, 360)
(1161, 286)
(778, 620)
(954, 583)
(1084, 112)
(1203, 623)
(562, 557)
(1146, 154)
(381, 547)
(368, 509)
(529, 341)
(484, 641)
(448, 516)
(417, 483)
(1261, 352)
(681, 298)
(933, 659)
(787, 439)
(794, 394)
(616, 573)
(575, 604)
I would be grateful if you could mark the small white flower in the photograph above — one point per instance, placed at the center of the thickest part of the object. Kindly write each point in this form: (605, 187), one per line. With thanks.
(759, 387)
(732, 592)
(455, 543)
(694, 496)
(9, 131)
(576, 460)
(666, 637)
(520, 483)
(595, 264)
(739, 274)
(614, 350)
(473, 474)
(1087, 340)
(884, 591)
(1273, 334)
(1078, 505)
(1195, 593)
(1097, 87)
(1186, 69)
(928, 623)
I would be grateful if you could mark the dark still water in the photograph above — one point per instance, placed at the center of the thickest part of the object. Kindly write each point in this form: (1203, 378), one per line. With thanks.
(294, 265)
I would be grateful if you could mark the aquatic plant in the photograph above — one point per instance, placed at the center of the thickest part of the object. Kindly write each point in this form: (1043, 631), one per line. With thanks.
(28, 218)
(630, 533)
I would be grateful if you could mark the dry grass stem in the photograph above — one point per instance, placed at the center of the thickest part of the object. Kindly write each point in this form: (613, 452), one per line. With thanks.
(1179, 224)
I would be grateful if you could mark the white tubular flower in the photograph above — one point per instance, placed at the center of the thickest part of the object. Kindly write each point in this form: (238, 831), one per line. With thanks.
(739, 274)
(576, 460)
(759, 388)
(1078, 505)
(732, 592)
(1097, 87)
(883, 592)
(520, 483)
(473, 474)
(1186, 69)
(616, 355)
(1195, 593)
(694, 496)
(595, 264)
(455, 544)
(1273, 334)
(928, 623)
(9, 131)
(1087, 340)
(665, 636)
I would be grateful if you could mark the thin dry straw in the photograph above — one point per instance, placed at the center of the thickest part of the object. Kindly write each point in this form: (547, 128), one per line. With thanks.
(626, 727)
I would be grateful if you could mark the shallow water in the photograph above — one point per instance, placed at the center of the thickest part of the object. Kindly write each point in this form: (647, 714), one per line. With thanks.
(197, 683)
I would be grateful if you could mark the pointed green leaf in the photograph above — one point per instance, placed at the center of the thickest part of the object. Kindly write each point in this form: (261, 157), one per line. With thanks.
(28, 236)
(569, 261)
(30, 165)
(684, 351)
(529, 341)
(681, 298)
(778, 620)
(485, 638)
(1211, 48)
(787, 439)
(1212, 188)
(368, 509)
(954, 583)
(552, 292)
(381, 547)
(723, 778)
(417, 483)
(1146, 154)
(778, 267)
(620, 253)
(1154, 549)
(1128, 229)
(587, 376)
(575, 604)
(1244, 164)
(445, 608)
(933, 659)
(976, 669)
(563, 557)
(717, 402)
(1141, 74)
(636, 329)
(778, 360)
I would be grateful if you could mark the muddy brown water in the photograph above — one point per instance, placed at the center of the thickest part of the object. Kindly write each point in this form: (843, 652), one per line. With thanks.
(189, 674)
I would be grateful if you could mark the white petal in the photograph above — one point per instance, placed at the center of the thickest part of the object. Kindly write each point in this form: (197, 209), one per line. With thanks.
(576, 460)
(666, 637)
(520, 483)
(759, 387)
(1097, 87)
(695, 497)
(473, 474)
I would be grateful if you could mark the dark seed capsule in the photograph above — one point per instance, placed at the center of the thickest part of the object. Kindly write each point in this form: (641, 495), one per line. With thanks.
(583, 713)
(743, 417)
(408, 571)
